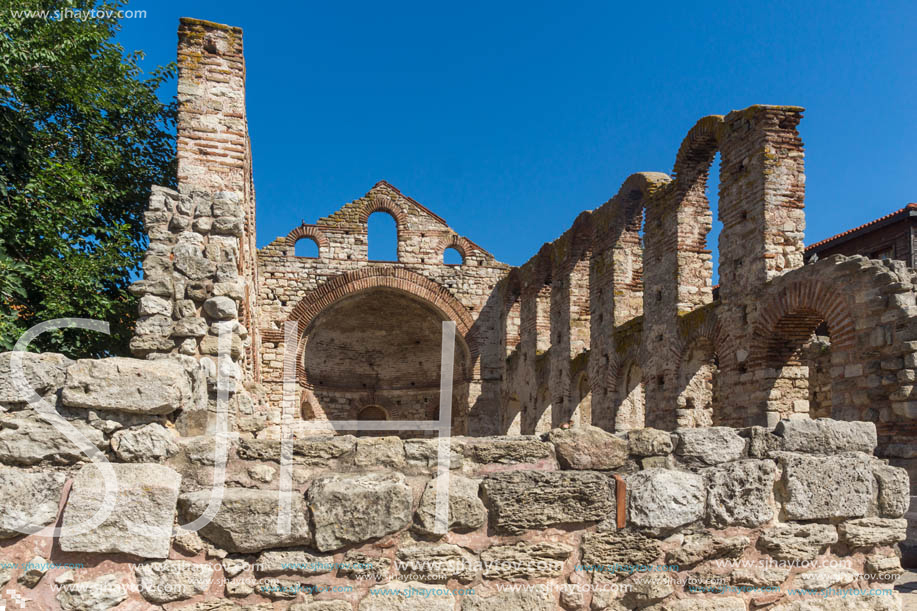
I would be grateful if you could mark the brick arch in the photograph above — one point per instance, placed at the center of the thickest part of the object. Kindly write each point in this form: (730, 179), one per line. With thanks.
(387, 277)
(382, 203)
(697, 150)
(454, 241)
(808, 300)
(713, 331)
(311, 232)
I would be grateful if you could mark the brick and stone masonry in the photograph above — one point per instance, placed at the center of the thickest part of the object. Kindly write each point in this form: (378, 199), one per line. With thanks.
(770, 418)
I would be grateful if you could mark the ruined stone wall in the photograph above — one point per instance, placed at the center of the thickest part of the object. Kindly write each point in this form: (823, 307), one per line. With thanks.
(302, 289)
(704, 518)
(834, 338)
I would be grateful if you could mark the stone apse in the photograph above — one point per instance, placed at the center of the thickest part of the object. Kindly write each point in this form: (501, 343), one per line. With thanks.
(615, 323)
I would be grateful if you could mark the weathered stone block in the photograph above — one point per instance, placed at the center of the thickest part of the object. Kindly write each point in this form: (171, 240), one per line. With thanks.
(826, 487)
(826, 436)
(293, 562)
(649, 442)
(149, 443)
(797, 541)
(894, 490)
(665, 499)
(873, 531)
(741, 493)
(407, 596)
(436, 562)
(379, 452)
(171, 580)
(588, 448)
(221, 308)
(355, 508)
(698, 548)
(28, 499)
(503, 601)
(466, 510)
(521, 500)
(709, 445)
(247, 520)
(27, 438)
(45, 374)
(508, 450)
(525, 560)
(97, 594)
(127, 385)
(603, 551)
(142, 512)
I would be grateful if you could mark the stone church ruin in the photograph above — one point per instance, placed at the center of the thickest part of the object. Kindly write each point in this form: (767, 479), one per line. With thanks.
(610, 405)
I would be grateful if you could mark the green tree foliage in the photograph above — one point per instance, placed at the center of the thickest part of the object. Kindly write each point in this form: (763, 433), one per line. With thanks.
(83, 136)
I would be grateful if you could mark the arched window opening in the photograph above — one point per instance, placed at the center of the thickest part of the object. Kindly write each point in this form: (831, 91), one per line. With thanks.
(699, 395)
(632, 400)
(382, 237)
(306, 247)
(713, 197)
(453, 256)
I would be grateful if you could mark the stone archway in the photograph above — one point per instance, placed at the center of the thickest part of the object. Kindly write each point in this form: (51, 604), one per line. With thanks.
(376, 339)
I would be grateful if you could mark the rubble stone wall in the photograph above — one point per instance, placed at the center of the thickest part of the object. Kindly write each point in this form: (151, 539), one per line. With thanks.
(699, 518)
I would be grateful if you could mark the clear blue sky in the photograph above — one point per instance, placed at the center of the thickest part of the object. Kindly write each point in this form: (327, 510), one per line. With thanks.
(509, 118)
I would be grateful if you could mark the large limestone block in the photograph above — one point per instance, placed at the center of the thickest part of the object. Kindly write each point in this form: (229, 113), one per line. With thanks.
(171, 580)
(97, 594)
(311, 451)
(140, 522)
(246, 520)
(407, 596)
(741, 493)
(27, 438)
(44, 373)
(127, 385)
(521, 500)
(508, 450)
(797, 541)
(503, 601)
(665, 499)
(588, 448)
(826, 436)
(709, 445)
(466, 510)
(873, 531)
(819, 488)
(28, 499)
(355, 508)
